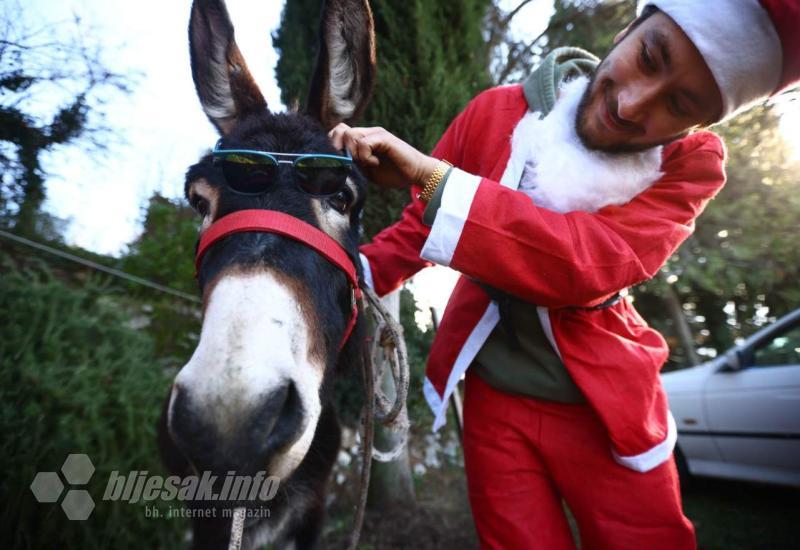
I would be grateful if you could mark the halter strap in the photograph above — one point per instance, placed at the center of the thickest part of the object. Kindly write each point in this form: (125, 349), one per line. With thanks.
(280, 223)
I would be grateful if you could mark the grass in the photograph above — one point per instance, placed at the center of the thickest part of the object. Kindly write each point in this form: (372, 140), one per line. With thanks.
(730, 514)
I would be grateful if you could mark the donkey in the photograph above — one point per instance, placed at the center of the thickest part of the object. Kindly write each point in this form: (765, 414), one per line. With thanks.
(256, 394)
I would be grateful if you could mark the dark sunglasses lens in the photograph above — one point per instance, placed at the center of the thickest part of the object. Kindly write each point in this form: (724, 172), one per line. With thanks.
(321, 175)
(249, 174)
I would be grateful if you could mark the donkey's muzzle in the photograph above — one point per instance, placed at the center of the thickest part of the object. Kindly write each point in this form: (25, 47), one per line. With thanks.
(219, 441)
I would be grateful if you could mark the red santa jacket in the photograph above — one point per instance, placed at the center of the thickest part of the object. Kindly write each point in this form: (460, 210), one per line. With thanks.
(545, 242)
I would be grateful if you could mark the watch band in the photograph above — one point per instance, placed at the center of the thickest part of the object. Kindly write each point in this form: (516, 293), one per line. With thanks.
(434, 180)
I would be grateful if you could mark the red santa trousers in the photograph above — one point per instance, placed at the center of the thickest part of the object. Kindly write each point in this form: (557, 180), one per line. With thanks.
(524, 455)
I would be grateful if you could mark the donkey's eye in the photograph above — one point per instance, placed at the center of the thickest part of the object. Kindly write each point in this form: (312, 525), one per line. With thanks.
(201, 205)
(341, 200)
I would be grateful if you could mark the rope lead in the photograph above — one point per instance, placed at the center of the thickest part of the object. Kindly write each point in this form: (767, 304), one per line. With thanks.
(237, 529)
(377, 406)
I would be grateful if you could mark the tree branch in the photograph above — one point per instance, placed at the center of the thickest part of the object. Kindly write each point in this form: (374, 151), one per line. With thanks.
(507, 19)
(515, 55)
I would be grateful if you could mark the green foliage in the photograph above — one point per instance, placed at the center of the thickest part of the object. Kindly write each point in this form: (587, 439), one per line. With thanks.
(418, 342)
(294, 40)
(749, 233)
(587, 24)
(164, 254)
(431, 62)
(76, 378)
(164, 251)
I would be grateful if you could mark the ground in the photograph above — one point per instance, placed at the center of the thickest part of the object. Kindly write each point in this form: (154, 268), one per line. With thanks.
(726, 514)
(730, 514)
(441, 519)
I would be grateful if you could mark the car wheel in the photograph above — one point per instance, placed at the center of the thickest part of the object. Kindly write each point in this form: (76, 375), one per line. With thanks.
(683, 469)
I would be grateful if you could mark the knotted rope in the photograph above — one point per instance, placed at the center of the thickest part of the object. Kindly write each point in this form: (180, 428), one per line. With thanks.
(391, 413)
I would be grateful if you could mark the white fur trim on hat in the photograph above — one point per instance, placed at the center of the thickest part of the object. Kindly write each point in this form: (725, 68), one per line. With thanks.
(739, 43)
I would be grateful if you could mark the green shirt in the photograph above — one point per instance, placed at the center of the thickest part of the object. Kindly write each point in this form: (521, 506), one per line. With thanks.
(533, 368)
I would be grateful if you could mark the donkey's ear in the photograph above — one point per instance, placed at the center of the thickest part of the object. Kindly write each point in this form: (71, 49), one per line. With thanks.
(225, 86)
(344, 76)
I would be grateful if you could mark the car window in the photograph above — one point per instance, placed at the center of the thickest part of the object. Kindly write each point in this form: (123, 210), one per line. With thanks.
(783, 349)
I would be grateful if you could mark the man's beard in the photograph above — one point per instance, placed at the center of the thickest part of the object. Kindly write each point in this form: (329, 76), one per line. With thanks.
(612, 149)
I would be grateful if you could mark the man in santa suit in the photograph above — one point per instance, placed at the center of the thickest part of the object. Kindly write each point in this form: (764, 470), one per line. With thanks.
(551, 198)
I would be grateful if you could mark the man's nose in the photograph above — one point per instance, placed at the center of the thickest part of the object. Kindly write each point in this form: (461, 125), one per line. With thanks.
(635, 101)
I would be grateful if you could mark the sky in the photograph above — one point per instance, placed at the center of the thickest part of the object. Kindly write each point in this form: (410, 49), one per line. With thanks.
(159, 129)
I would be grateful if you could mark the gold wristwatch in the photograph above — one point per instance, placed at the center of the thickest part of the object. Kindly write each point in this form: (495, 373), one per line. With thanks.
(434, 180)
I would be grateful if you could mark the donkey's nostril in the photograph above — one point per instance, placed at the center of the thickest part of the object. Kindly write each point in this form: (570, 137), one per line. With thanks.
(190, 434)
(278, 422)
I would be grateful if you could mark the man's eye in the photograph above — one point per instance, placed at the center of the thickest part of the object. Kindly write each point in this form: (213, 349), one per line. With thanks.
(676, 107)
(647, 60)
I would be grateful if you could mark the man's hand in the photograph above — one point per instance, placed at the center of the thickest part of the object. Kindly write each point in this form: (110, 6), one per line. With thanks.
(385, 159)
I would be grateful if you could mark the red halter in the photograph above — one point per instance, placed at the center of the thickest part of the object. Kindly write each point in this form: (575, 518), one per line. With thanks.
(272, 221)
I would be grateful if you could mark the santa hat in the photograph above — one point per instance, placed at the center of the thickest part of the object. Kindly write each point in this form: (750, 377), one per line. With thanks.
(751, 46)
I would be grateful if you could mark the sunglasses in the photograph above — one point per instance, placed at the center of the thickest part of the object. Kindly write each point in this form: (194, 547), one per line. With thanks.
(253, 172)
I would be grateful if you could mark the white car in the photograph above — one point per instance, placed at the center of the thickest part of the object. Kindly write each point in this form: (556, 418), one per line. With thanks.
(738, 416)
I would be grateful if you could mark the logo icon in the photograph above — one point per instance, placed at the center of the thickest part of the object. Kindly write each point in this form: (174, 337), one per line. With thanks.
(76, 470)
